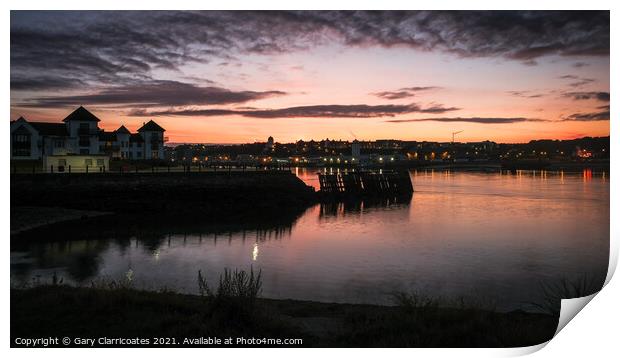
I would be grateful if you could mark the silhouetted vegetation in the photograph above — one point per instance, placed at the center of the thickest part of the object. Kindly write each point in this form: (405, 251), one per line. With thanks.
(236, 295)
(234, 309)
(554, 291)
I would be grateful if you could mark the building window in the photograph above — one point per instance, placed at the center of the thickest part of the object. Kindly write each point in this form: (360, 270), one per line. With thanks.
(139, 154)
(21, 152)
(84, 151)
(21, 138)
(100, 162)
(21, 145)
(59, 143)
(88, 162)
(84, 129)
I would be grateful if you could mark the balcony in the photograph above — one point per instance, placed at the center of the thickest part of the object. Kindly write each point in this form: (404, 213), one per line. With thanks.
(157, 142)
(88, 131)
(109, 148)
(21, 145)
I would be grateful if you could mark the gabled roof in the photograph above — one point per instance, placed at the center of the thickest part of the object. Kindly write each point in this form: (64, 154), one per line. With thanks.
(54, 129)
(151, 126)
(81, 114)
(122, 130)
(135, 137)
(21, 130)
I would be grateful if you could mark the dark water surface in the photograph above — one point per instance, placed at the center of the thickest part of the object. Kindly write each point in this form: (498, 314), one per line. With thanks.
(485, 236)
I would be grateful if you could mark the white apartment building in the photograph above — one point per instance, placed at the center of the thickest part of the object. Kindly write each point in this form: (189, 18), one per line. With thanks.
(79, 134)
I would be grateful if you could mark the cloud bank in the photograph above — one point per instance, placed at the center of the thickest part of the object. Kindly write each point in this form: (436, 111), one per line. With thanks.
(315, 111)
(154, 94)
(77, 49)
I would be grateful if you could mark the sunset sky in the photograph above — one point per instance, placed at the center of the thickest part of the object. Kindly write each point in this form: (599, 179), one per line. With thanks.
(234, 77)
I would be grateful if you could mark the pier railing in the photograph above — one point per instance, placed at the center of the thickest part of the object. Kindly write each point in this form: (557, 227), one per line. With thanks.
(366, 183)
(37, 168)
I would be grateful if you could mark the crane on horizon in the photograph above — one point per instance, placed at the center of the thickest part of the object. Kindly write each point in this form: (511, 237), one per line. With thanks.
(453, 151)
(455, 133)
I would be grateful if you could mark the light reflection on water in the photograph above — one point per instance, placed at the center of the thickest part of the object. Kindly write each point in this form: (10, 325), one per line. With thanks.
(494, 235)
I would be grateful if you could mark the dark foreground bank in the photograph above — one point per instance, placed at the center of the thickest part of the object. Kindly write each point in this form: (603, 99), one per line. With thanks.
(168, 319)
(218, 195)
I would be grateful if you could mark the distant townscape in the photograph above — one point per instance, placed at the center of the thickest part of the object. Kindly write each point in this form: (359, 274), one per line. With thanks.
(80, 144)
(330, 152)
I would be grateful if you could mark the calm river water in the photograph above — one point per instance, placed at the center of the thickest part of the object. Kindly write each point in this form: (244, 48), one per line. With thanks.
(485, 236)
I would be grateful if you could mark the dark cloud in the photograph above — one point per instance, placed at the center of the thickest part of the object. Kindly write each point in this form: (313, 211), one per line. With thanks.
(44, 83)
(579, 81)
(519, 35)
(483, 120)
(525, 94)
(589, 117)
(405, 92)
(599, 96)
(580, 64)
(184, 113)
(111, 47)
(438, 109)
(394, 94)
(316, 111)
(418, 89)
(154, 94)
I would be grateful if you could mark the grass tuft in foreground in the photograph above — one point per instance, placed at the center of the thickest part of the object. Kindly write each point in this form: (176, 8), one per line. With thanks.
(234, 309)
(234, 300)
(554, 291)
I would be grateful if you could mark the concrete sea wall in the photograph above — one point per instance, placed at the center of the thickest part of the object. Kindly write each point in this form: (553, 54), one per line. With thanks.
(221, 195)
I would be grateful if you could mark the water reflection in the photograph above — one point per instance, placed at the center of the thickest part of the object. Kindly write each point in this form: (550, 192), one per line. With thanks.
(339, 209)
(81, 259)
(80, 250)
(497, 235)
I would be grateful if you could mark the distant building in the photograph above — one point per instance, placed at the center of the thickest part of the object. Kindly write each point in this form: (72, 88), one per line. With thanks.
(270, 144)
(356, 149)
(80, 135)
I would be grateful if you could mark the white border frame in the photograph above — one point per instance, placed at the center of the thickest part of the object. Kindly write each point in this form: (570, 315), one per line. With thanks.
(594, 330)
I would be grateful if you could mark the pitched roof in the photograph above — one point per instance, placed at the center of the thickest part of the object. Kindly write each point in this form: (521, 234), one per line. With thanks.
(81, 114)
(151, 126)
(21, 130)
(45, 128)
(135, 137)
(122, 130)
